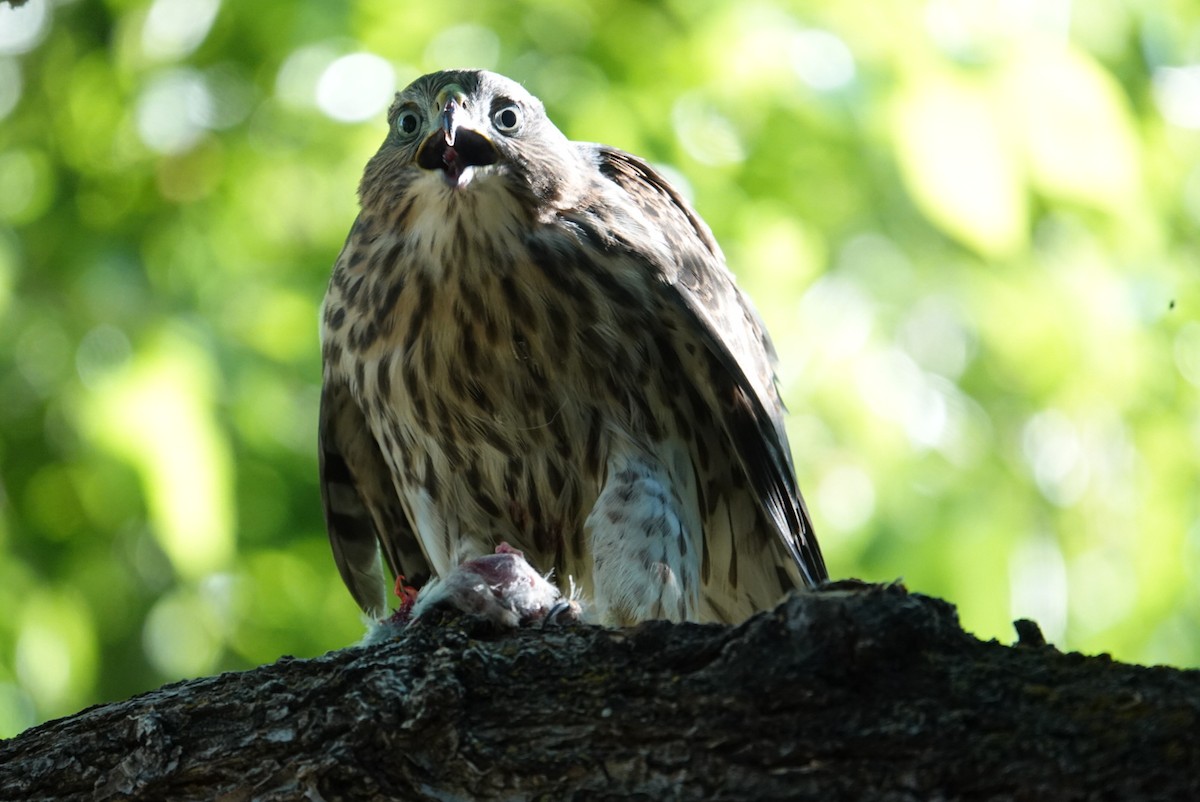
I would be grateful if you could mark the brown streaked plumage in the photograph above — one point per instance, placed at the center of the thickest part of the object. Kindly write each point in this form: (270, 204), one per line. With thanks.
(536, 341)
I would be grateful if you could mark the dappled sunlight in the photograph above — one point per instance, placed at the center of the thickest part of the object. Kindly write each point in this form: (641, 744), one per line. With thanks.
(1074, 127)
(1177, 91)
(23, 27)
(175, 28)
(959, 163)
(822, 60)
(55, 650)
(707, 135)
(181, 636)
(158, 414)
(173, 110)
(26, 185)
(1038, 574)
(846, 496)
(1104, 591)
(355, 87)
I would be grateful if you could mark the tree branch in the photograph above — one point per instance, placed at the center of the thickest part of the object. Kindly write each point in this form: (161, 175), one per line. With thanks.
(847, 692)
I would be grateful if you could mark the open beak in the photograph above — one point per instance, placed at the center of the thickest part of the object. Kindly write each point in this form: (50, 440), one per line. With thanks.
(456, 146)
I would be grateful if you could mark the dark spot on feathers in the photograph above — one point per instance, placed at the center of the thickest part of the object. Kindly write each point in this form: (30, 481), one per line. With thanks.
(416, 323)
(477, 394)
(557, 318)
(385, 310)
(401, 216)
(512, 470)
(534, 504)
(383, 375)
(495, 438)
(335, 470)
(428, 358)
(733, 564)
(393, 254)
(545, 538)
(516, 300)
(430, 478)
(702, 456)
(420, 409)
(472, 299)
(488, 505)
(491, 329)
(592, 446)
(608, 284)
(470, 350)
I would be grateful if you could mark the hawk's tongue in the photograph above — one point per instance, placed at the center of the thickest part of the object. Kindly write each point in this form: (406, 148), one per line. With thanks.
(452, 163)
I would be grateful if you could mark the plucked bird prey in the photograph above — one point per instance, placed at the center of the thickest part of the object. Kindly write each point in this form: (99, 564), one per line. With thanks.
(536, 342)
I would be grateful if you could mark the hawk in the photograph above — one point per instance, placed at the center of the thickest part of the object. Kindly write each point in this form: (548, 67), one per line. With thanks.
(533, 341)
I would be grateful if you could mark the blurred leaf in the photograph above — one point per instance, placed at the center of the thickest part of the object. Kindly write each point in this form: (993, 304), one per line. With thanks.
(959, 163)
(55, 650)
(1075, 126)
(159, 415)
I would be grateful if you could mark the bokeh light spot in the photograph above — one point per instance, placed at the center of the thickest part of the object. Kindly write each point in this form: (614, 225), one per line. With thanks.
(1187, 352)
(173, 111)
(1177, 93)
(1054, 452)
(1038, 585)
(23, 27)
(55, 650)
(705, 133)
(959, 164)
(159, 414)
(101, 351)
(846, 496)
(822, 60)
(27, 185)
(175, 28)
(356, 87)
(179, 637)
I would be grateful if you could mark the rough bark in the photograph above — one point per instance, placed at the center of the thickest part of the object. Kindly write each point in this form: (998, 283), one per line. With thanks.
(852, 692)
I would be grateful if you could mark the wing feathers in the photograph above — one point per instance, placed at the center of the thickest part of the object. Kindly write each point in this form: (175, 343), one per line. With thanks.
(743, 376)
(362, 509)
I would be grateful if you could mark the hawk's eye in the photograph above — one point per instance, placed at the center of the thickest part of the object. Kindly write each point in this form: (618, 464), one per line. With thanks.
(407, 123)
(508, 119)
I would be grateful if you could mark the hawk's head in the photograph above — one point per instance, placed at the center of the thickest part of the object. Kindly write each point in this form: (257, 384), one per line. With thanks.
(466, 131)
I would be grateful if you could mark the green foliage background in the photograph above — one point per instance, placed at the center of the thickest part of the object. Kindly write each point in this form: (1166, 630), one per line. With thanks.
(971, 227)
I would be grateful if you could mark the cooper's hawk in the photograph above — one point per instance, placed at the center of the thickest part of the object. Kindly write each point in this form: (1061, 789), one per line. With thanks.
(534, 341)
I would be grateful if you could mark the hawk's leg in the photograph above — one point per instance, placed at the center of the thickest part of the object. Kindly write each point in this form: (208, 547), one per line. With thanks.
(645, 561)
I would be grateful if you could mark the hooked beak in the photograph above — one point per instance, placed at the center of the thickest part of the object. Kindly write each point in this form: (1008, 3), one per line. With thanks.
(456, 146)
